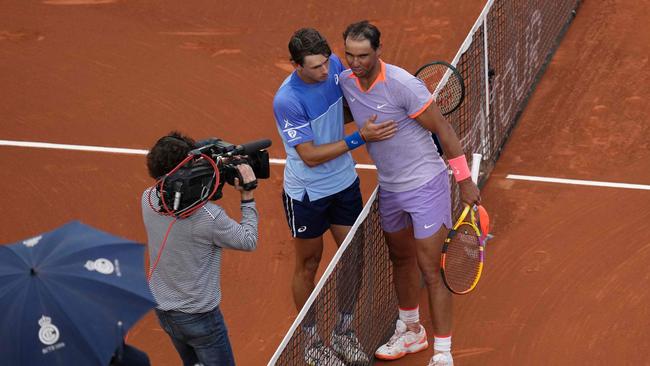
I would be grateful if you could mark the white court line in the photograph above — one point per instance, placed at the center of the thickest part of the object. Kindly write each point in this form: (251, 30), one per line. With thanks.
(578, 182)
(45, 145)
(116, 150)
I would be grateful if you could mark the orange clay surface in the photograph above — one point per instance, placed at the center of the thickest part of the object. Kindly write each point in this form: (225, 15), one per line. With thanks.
(566, 278)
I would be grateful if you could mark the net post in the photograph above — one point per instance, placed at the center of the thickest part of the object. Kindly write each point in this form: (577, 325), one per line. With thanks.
(476, 166)
(486, 59)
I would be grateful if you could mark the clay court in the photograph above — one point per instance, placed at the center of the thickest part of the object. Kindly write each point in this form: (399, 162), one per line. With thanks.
(567, 272)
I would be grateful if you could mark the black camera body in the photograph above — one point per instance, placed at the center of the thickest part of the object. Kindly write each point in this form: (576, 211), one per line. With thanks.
(253, 154)
(195, 181)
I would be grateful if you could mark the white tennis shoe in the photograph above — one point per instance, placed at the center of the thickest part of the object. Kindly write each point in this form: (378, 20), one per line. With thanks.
(348, 347)
(319, 354)
(402, 343)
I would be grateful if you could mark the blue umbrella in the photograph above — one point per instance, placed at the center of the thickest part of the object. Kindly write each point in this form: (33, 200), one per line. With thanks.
(67, 296)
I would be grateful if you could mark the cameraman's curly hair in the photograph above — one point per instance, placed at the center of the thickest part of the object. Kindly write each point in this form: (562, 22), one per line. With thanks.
(168, 152)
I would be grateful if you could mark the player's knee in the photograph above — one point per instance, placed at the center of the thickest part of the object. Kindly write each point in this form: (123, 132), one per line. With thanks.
(401, 258)
(431, 277)
(308, 266)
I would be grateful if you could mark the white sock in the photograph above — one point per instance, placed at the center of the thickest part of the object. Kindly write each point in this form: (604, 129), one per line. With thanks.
(410, 316)
(344, 322)
(442, 344)
(311, 335)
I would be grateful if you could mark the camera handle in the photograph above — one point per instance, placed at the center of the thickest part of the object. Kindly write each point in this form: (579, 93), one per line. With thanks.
(246, 186)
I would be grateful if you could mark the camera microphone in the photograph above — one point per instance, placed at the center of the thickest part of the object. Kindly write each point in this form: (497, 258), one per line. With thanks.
(251, 147)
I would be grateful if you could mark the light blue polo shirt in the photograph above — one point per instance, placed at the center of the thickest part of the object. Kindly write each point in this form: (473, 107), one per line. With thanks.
(313, 112)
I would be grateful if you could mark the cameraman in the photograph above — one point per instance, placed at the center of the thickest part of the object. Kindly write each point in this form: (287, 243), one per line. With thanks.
(185, 280)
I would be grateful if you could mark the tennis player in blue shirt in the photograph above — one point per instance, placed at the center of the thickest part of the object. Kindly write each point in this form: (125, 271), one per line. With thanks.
(321, 187)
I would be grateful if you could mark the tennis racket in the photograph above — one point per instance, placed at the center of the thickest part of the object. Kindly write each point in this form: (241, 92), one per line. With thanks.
(447, 87)
(445, 83)
(463, 253)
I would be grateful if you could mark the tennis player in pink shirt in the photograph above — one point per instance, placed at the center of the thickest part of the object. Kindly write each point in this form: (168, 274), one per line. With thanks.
(414, 192)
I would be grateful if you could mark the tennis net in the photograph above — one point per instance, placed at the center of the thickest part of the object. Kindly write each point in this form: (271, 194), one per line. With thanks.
(501, 61)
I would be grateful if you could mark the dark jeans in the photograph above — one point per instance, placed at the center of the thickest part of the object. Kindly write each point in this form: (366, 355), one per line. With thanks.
(198, 338)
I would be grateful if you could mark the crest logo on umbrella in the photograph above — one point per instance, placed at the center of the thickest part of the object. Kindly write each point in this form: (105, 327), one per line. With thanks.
(49, 333)
(101, 265)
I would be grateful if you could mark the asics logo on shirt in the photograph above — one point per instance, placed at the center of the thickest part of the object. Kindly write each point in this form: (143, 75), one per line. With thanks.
(380, 106)
(336, 79)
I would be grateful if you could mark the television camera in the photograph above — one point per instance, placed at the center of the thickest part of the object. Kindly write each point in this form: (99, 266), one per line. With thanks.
(195, 180)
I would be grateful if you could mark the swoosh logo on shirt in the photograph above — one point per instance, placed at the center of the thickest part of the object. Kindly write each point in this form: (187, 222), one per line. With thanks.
(380, 106)
(428, 226)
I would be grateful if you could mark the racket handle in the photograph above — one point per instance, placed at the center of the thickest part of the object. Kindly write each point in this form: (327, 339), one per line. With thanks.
(476, 166)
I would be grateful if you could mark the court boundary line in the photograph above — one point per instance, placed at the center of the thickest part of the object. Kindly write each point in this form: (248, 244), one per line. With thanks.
(117, 150)
(579, 182)
(127, 151)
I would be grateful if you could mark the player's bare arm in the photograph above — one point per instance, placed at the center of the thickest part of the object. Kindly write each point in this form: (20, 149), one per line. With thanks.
(434, 121)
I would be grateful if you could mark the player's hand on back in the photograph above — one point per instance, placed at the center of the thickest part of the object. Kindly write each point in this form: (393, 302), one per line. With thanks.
(372, 131)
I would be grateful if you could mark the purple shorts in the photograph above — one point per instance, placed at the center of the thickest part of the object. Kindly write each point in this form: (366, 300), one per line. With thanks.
(426, 207)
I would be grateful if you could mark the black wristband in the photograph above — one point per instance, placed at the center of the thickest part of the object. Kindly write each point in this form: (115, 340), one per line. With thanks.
(248, 201)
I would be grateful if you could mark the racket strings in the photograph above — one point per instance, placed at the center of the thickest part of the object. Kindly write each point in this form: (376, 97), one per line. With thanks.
(445, 85)
(463, 259)
(449, 95)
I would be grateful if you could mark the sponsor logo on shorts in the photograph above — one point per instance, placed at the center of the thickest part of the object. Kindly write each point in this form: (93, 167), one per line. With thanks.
(302, 229)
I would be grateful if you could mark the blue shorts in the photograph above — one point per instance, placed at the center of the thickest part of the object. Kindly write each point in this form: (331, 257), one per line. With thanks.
(310, 219)
(427, 208)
